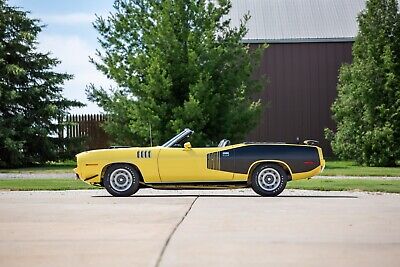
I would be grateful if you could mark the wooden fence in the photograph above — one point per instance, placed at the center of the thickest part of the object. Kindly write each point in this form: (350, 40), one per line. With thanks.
(88, 127)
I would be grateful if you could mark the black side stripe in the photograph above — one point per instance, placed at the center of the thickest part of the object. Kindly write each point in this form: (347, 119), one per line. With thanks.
(239, 160)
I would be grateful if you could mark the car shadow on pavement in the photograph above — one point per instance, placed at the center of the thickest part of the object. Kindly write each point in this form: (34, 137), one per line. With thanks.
(227, 196)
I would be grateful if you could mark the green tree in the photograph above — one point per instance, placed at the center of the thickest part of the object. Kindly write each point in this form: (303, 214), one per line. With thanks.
(31, 98)
(367, 110)
(177, 64)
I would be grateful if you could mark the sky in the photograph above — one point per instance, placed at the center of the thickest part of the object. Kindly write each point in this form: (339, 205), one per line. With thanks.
(70, 37)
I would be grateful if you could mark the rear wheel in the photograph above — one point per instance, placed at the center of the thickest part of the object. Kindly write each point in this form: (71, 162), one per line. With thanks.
(268, 180)
(121, 180)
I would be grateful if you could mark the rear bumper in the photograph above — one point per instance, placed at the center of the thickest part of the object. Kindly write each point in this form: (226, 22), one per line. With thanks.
(321, 159)
(305, 175)
(313, 172)
(322, 165)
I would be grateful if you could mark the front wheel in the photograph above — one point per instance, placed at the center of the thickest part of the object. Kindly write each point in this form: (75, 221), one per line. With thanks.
(268, 180)
(121, 180)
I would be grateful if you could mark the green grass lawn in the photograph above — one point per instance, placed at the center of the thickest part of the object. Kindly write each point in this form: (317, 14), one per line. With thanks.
(333, 168)
(43, 184)
(349, 168)
(390, 186)
(54, 167)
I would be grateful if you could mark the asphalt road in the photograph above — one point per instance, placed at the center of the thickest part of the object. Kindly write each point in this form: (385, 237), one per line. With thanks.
(199, 228)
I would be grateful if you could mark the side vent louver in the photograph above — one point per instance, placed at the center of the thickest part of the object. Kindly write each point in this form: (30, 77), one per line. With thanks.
(143, 154)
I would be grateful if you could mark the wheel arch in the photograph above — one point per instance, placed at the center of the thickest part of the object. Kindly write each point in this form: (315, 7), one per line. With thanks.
(282, 164)
(103, 171)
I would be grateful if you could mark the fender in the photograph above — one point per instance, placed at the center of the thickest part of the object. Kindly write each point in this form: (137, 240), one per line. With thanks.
(253, 166)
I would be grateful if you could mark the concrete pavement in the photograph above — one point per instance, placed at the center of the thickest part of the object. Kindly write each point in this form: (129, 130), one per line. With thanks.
(199, 228)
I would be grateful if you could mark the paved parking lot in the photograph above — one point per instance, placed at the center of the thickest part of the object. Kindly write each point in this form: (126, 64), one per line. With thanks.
(199, 228)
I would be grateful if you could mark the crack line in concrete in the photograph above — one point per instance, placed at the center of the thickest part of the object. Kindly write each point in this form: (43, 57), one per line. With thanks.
(172, 233)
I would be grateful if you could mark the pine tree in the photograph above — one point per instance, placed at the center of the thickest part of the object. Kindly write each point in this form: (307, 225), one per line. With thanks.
(177, 64)
(367, 110)
(31, 98)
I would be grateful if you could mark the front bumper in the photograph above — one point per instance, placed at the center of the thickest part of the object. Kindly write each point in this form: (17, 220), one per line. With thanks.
(76, 174)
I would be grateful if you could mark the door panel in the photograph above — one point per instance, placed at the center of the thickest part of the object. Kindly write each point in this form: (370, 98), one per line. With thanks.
(179, 165)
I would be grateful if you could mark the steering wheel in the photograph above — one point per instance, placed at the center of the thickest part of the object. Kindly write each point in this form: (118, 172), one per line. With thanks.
(224, 142)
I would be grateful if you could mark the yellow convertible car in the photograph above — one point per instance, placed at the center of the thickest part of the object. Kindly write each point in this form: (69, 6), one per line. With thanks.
(266, 167)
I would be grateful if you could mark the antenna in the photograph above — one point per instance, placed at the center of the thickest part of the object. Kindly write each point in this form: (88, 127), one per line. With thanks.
(151, 139)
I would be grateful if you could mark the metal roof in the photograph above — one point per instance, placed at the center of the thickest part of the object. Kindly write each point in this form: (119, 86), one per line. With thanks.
(282, 21)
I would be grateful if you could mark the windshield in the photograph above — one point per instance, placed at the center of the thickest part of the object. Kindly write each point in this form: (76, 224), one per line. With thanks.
(178, 138)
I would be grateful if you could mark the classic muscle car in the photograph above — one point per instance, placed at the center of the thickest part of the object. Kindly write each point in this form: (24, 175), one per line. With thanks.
(266, 167)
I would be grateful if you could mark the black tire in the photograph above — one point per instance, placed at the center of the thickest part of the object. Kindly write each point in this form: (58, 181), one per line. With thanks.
(121, 180)
(269, 180)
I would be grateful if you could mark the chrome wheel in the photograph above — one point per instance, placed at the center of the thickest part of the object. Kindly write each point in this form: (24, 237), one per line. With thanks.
(121, 180)
(269, 179)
